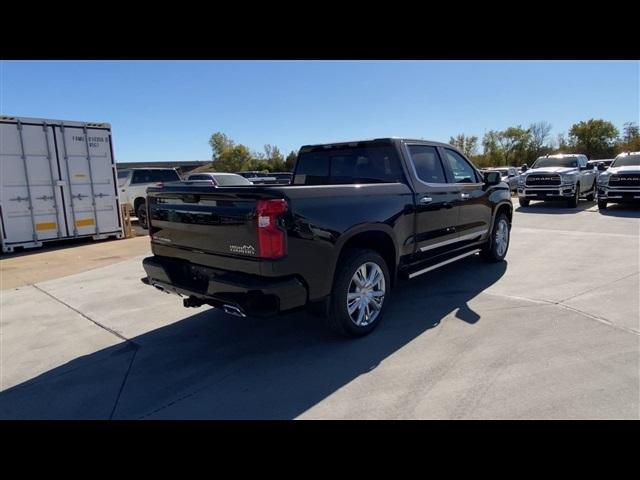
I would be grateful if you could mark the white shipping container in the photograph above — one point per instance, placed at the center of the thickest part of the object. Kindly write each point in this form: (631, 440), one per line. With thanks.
(57, 180)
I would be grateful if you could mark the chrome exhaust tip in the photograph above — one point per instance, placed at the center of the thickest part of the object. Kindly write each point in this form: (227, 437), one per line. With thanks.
(233, 310)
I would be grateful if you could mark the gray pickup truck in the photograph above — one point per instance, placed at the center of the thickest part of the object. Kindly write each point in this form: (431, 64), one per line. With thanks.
(566, 177)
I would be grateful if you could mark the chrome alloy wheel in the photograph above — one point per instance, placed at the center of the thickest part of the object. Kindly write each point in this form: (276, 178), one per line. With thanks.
(366, 294)
(502, 237)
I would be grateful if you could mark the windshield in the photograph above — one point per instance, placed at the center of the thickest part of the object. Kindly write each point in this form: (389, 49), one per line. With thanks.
(567, 162)
(627, 161)
(503, 171)
(122, 177)
(231, 180)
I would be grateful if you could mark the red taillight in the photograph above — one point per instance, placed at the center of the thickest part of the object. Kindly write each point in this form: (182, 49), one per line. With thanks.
(271, 239)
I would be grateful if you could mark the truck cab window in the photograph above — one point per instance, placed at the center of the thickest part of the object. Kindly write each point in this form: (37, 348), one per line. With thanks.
(427, 163)
(362, 164)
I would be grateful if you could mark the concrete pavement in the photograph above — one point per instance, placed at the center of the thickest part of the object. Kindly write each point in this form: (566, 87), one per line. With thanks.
(552, 333)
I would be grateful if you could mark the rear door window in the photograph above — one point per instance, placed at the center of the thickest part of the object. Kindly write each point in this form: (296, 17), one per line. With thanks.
(199, 177)
(427, 163)
(153, 176)
(313, 169)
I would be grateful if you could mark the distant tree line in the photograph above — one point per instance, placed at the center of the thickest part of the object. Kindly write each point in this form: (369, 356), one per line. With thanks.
(595, 138)
(228, 156)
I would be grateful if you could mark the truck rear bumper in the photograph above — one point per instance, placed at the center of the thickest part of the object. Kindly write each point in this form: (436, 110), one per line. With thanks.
(236, 293)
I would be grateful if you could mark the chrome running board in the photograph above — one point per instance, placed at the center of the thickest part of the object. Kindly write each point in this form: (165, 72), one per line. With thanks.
(438, 265)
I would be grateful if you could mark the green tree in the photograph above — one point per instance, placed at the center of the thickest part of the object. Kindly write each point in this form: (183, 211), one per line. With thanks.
(467, 145)
(563, 144)
(594, 138)
(220, 143)
(290, 161)
(514, 142)
(234, 159)
(539, 134)
(492, 152)
(275, 158)
(630, 132)
(630, 138)
(273, 153)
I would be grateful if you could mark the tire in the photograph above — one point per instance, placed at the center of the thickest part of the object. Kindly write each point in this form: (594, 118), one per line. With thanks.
(523, 202)
(602, 204)
(346, 284)
(498, 244)
(141, 213)
(573, 201)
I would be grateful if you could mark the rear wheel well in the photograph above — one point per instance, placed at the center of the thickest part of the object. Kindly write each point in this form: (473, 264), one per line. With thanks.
(377, 241)
(138, 201)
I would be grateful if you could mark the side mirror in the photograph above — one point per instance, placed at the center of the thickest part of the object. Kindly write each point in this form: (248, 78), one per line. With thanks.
(492, 178)
(525, 167)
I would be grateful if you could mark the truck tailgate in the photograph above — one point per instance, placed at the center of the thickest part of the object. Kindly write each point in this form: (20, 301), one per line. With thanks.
(207, 219)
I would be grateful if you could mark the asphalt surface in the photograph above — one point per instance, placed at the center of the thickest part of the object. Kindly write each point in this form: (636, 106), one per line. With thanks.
(553, 333)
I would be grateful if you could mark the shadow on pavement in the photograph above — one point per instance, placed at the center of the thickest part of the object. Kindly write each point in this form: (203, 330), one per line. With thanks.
(555, 207)
(213, 366)
(625, 210)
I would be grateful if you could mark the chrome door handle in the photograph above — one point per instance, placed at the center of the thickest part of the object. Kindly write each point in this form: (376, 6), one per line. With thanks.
(425, 200)
(464, 196)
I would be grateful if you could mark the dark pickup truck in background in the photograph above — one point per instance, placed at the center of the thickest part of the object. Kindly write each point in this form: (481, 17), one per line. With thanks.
(355, 218)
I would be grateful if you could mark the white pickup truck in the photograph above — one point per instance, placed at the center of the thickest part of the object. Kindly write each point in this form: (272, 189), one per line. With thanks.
(133, 184)
(566, 177)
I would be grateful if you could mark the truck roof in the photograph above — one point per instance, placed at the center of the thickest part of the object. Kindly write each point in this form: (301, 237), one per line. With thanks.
(382, 139)
(213, 173)
(562, 155)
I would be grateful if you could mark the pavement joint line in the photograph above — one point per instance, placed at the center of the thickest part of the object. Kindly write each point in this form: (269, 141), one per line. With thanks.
(600, 319)
(599, 286)
(104, 327)
(124, 381)
(567, 307)
(192, 393)
(33, 382)
(135, 345)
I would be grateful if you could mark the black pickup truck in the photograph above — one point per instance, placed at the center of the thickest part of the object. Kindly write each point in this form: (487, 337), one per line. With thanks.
(356, 217)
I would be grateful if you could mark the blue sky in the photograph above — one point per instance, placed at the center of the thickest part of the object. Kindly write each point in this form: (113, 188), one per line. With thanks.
(167, 110)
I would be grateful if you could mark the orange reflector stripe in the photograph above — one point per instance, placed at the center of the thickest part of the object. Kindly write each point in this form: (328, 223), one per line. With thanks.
(46, 226)
(85, 222)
